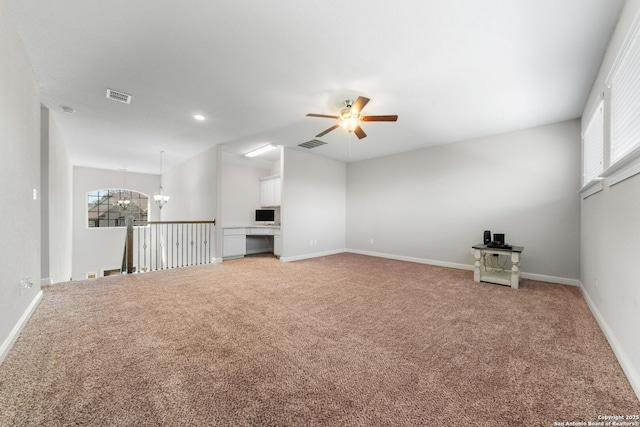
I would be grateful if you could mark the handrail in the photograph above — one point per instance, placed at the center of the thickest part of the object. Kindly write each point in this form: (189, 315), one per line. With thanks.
(176, 222)
(158, 245)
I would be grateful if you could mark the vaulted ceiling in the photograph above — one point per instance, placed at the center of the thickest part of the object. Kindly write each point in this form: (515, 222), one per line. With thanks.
(451, 70)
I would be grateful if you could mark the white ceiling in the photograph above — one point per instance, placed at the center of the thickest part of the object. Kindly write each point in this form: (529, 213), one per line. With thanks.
(451, 70)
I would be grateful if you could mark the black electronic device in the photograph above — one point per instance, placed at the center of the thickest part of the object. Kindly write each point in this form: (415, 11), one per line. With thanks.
(265, 216)
(487, 237)
(498, 242)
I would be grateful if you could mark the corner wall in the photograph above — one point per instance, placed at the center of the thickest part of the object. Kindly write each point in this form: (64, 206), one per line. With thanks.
(19, 185)
(313, 205)
(431, 205)
(192, 187)
(60, 206)
(240, 192)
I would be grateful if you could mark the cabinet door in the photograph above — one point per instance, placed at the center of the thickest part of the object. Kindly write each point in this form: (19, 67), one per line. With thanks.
(234, 246)
(266, 193)
(276, 192)
(277, 245)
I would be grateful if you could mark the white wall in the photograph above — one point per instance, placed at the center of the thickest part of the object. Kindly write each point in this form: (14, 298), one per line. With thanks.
(240, 191)
(60, 176)
(19, 177)
(192, 187)
(99, 249)
(433, 204)
(610, 240)
(313, 205)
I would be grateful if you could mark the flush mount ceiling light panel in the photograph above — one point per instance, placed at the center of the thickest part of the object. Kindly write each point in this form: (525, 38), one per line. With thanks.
(260, 150)
(350, 118)
(199, 117)
(116, 95)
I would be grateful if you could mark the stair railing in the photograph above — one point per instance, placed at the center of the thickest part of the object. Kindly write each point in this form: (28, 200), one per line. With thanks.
(159, 245)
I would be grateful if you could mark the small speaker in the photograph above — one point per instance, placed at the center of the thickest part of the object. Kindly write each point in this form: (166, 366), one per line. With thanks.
(487, 237)
(499, 238)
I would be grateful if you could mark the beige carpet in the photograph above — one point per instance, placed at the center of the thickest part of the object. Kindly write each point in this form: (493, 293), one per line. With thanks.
(344, 340)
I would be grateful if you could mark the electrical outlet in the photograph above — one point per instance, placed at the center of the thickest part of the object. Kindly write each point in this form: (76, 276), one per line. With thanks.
(371, 241)
(25, 283)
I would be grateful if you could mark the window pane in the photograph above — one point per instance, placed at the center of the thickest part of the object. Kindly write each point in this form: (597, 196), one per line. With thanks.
(625, 103)
(109, 207)
(593, 146)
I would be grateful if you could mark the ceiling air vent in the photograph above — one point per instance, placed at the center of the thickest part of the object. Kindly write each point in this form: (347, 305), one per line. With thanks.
(312, 144)
(118, 96)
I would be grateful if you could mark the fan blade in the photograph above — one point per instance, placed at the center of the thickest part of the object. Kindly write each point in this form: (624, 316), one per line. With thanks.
(327, 131)
(360, 103)
(322, 115)
(379, 118)
(359, 132)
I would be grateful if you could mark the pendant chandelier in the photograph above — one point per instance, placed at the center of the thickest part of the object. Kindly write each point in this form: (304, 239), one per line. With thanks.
(125, 201)
(159, 196)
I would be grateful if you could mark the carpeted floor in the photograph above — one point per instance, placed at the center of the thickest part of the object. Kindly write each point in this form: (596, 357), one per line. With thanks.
(344, 340)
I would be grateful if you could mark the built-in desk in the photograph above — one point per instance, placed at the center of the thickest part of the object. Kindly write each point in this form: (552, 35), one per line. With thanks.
(491, 267)
(235, 240)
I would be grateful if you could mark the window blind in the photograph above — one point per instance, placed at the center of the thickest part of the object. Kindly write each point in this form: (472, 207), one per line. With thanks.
(625, 103)
(593, 145)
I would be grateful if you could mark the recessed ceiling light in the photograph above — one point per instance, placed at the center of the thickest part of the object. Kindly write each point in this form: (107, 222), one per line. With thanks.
(199, 117)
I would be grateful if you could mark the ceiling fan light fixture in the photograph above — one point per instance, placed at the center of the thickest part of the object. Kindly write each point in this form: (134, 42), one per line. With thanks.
(350, 118)
(350, 123)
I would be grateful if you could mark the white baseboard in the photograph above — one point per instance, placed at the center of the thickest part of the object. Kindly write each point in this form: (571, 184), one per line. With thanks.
(413, 259)
(532, 276)
(312, 255)
(551, 279)
(15, 332)
(627, 367)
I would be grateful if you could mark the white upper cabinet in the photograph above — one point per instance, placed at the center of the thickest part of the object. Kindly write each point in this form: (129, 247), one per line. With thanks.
(270, 191)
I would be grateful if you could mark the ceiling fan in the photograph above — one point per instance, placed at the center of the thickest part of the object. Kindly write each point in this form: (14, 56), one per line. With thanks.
(350, 117)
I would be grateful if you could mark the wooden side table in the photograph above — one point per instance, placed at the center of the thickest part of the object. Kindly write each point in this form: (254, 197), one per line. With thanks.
(486, 270)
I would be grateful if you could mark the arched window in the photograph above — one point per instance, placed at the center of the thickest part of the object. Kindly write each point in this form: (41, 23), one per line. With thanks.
(111, 206)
